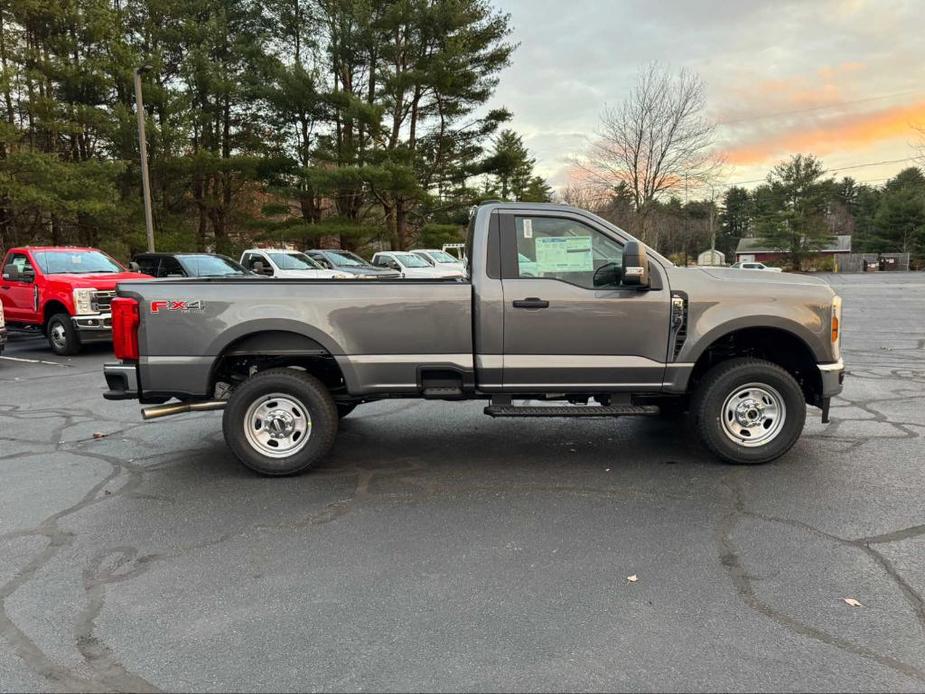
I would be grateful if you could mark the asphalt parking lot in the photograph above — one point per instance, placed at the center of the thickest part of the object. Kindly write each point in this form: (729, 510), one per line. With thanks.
(438, 549)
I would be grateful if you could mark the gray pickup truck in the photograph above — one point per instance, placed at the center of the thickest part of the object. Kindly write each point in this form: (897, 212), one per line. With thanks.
(562, 315)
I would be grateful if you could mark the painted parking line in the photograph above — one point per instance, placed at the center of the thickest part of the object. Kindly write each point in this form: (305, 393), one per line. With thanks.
(34, 361)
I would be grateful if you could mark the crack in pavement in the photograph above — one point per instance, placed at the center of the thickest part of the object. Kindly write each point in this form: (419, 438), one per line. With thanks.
(97, 657)
(731, 560)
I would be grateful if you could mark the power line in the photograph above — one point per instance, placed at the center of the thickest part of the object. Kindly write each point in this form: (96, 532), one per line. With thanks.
(873, 163)
(841, 104)
(840, 168)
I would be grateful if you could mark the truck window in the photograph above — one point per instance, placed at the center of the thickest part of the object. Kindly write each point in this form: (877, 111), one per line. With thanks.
(21, 262)
(60, 262)
(566, 250)
(170, 267)
(321, 260)
(147, 264)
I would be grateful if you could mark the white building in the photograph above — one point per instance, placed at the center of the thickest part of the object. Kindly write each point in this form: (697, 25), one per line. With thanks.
(709, 257)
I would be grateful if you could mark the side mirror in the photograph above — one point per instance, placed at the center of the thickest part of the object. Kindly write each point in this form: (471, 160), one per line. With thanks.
(395, 266)
(261, 269)
(11, 273)
(134, 267)
(635, 265)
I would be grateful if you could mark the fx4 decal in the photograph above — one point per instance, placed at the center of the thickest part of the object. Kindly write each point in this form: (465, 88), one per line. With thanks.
(171, 305)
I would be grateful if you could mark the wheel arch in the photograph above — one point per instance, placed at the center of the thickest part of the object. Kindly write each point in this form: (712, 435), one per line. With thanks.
(262, 349)
(51, 307)
(778, 345)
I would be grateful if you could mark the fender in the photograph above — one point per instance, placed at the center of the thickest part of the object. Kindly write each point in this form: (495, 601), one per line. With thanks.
(276, 325)
(699, 341)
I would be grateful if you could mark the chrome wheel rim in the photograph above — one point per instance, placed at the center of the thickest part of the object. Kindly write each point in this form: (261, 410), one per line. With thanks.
(753, 415)
(277, 425)
(58, 335)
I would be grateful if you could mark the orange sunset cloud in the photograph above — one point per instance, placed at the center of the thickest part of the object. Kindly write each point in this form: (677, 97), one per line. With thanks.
(842, 133)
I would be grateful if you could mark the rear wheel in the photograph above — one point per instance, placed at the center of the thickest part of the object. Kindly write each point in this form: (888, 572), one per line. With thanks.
(748, 411)
(62, 335)
(280, 422)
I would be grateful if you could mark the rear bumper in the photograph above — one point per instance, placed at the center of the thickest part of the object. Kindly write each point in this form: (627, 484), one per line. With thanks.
(122, 380)
(833, 377)
(93, 328)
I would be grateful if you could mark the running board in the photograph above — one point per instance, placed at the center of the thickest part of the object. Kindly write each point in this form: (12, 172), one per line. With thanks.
(575, 411)
(443, 393)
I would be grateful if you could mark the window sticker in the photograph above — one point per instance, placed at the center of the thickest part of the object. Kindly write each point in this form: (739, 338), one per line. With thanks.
(528, 228)
(564, 254)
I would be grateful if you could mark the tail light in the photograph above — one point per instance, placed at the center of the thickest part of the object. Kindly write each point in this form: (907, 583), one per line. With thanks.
(125, 328)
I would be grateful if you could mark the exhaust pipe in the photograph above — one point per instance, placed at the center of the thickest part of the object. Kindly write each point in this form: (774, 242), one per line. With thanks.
(180, 407)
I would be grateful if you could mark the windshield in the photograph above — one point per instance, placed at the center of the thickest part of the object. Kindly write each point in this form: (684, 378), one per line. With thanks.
(294, 261)
(443, 257)
(75, 262)
(411, 260)
(344, 259)
(210, 265)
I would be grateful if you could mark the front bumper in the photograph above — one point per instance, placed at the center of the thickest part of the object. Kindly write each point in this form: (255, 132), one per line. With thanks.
(95, 327)
(2, 338)
(122, 380)
(833, 377)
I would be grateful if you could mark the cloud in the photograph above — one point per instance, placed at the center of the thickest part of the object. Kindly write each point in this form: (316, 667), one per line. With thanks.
(832, 134)
(777, 74)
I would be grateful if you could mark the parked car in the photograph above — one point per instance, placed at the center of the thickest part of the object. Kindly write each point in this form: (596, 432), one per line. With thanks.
(279, 262)
(345, 261)
(189, 265)
(64, 291)
(413, 266)
(2, 330)
(441, 260)
(610, 329)
(752, 265)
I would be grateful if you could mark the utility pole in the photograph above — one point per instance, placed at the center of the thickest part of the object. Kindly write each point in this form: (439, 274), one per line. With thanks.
(712, 227)
(143, 152)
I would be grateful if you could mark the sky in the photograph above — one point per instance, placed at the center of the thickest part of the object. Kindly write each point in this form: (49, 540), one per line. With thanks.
(842, 80)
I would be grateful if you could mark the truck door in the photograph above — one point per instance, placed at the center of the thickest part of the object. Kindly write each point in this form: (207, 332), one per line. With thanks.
(569, 323)
(19, 295)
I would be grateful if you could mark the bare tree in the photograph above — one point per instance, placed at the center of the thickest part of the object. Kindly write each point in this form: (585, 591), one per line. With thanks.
(657, 141)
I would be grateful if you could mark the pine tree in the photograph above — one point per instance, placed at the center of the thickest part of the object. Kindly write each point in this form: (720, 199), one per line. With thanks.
(791, 212)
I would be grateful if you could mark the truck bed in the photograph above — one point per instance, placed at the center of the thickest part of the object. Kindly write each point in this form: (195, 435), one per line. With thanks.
(380, 331)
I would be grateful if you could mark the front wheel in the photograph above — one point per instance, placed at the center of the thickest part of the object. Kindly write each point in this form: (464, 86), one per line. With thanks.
(62, 335)
(280, 422)
(748, 411)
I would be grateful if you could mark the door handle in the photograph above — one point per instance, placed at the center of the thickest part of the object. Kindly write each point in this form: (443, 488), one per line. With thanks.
(531, 302)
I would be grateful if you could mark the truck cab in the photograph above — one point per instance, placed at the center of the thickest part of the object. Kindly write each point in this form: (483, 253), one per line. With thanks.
(64, 291)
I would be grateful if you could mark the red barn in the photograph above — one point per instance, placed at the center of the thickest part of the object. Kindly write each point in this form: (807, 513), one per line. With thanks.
(752, 249)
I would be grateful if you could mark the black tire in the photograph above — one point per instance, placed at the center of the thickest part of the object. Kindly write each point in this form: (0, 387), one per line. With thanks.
(310, 397)
(708, 409)
(63, 337)
(345, 408)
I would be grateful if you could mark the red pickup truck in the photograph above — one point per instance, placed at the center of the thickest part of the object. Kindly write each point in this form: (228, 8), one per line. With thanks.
(64, 291)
